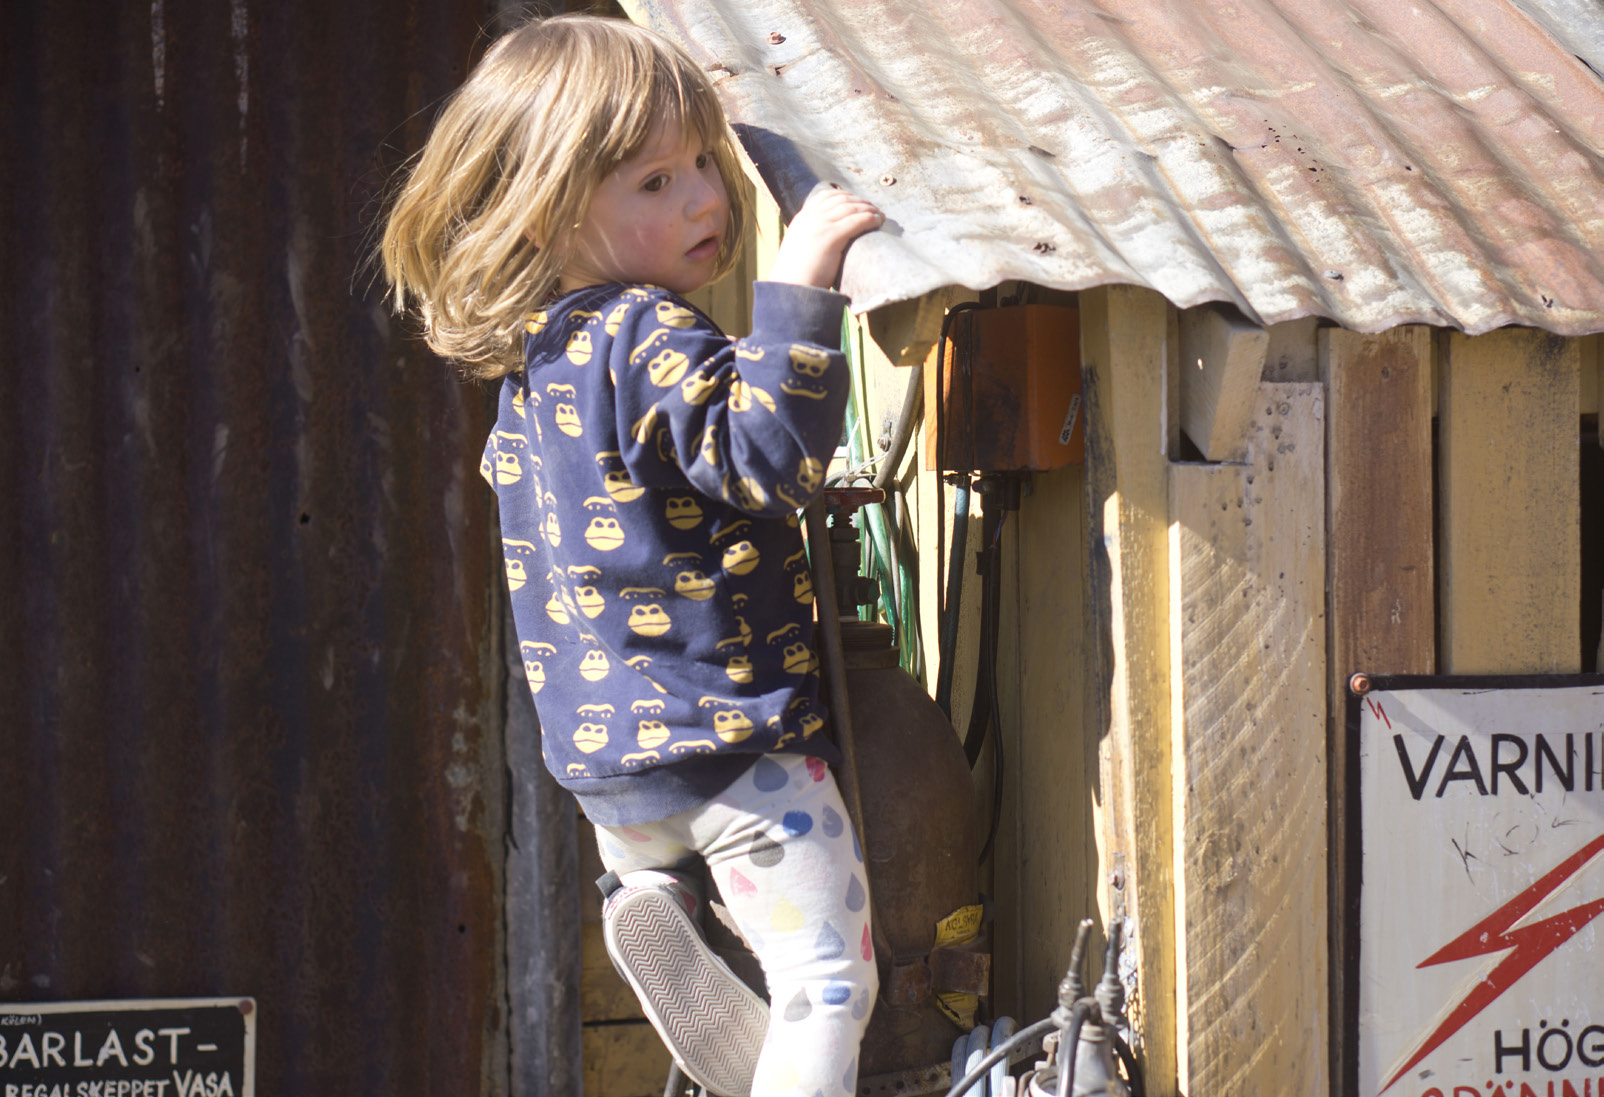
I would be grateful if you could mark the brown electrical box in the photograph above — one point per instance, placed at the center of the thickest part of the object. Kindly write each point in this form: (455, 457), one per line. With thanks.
(1007, 397)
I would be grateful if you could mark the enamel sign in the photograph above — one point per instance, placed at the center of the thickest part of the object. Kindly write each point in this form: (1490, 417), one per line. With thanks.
(1480, 936)
(195, 1047)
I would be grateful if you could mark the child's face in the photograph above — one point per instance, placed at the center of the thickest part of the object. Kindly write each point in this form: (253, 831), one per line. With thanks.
(657, 219)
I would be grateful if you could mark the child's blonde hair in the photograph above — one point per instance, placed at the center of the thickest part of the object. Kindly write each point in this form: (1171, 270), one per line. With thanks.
(516, 156)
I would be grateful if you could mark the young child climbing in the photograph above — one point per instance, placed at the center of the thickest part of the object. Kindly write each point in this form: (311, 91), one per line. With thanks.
(649, 471)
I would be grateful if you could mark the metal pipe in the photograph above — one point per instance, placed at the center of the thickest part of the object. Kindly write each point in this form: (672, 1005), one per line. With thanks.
(835, 667)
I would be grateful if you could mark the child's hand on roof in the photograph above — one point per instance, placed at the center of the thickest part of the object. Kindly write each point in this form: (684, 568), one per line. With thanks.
(817, 237)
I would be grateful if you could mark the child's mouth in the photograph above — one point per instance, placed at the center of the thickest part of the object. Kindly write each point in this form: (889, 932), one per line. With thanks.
(705, 250)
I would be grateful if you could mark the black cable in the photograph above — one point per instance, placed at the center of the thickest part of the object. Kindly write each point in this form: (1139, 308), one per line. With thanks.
(997, 1054)
(942, 443)
(1070, 1046)
(1133, 1069)
(980, 706)
(993, 598)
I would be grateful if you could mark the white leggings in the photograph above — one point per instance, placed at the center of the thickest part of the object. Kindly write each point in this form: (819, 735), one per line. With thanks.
(781, 850)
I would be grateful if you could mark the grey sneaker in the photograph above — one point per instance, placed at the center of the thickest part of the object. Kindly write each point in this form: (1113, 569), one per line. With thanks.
(711, 1022)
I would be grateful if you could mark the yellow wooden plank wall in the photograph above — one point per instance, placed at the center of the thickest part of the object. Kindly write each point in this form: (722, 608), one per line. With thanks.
(1247, 582)
(1047, 875)
(1125, 353)
(1508, 415)
(1382, 615)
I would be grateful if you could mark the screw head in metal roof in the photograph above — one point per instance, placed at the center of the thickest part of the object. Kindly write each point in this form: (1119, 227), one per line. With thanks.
(887, 180)
(775, 37)
(1334, 275)
(1360, 683)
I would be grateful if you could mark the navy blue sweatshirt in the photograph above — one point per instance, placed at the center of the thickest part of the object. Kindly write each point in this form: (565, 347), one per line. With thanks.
(649, 472)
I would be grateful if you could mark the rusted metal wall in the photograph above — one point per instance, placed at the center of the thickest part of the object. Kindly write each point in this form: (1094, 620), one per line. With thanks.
(251, 666)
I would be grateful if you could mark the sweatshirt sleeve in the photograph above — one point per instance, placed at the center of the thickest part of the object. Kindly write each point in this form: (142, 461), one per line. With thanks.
(752, 422)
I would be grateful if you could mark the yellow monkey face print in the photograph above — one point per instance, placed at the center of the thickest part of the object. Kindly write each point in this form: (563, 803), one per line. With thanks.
(802, 588)
(675, 316)
(695, 746)
(535, 655)
(693, 585)
(536, 322)
(667, 367)
(615, 478)
(808, 367)
(697, 387)
(615, 318)
(732, 726)
(567, 419)
(556, 610)
(743, 396)
(520, 558)
(798, 658)
(579, 348)
(590, 737)
(682, 511)
(589, 601)
(646, 615)
(511, 451)
(708, 449)
(649, 707)
(739, 669)
(593, 667)
(809, 362)
(649, 620)
(651, 733)
(604, 534)
(740, 558)
(554, 531)
(664, 365)
(748, 493)
(810, 474)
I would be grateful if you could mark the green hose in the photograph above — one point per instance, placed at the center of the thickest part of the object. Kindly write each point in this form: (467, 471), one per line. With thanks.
(898, 599)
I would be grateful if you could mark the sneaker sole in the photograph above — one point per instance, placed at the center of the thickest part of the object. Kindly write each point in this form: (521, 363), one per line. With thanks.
(710, 1020)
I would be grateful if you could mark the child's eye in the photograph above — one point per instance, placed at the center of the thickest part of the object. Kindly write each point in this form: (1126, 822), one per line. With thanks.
(703, 161)
(655, 183)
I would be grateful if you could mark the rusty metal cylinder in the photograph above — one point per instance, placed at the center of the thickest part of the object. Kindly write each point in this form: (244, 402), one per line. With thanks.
(919, 844)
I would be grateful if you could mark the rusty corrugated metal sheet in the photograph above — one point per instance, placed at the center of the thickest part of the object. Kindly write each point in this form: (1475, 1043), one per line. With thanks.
(250, 664)
(1378, 162)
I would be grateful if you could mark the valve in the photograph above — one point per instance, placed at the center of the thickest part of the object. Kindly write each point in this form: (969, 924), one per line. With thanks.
(846, 545)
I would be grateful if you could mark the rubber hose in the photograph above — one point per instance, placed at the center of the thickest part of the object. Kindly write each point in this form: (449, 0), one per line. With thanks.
(998, 1054)
(954, 599)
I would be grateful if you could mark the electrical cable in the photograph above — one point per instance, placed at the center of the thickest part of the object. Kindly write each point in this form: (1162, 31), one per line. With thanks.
(1069, 1046)
(985, 660)
(913, 398)
(952, 582)
(1133, 1069)
(954, 596)
(997, 1055)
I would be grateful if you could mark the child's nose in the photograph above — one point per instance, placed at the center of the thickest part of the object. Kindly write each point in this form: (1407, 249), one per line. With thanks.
(704, 197)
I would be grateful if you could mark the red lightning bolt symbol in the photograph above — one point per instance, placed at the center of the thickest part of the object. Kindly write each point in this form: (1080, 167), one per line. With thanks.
(1527, 947)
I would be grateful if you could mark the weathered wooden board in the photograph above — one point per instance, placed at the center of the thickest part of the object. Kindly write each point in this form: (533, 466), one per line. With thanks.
(624, 1060)
(1047, 855)
(1222, 361)
(1510, 536)
(1292, 353)
(1125, 351)
(1248, 575)
(1380, 589)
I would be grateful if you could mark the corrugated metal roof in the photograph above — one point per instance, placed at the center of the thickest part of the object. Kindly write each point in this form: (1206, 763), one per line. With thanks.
(1378, 162)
